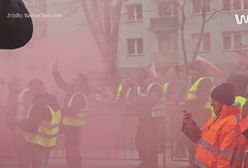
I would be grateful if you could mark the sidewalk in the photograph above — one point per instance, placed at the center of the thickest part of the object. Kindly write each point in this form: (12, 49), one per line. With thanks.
(60, 163)
(113, 164)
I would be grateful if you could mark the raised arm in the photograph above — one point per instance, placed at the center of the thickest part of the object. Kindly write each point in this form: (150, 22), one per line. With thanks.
(59, 80)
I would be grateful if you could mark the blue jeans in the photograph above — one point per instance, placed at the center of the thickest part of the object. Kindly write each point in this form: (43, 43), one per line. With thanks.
(38, 156)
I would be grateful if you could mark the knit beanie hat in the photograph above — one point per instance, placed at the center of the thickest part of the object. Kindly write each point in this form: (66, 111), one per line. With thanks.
(224, 93)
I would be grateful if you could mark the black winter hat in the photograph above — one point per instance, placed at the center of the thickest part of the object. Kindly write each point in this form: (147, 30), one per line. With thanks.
(224, 93)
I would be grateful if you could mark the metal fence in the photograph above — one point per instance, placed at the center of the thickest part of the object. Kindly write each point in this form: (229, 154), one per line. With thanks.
(109, 134)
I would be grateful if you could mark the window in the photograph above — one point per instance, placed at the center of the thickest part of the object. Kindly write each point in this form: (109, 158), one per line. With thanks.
(226, 5)
(199, 6)
(230, 5)
(134, 12)
(205, 42)
(168, 43)
(245, 4)
(236, 4)
(135, 46)
(227, 42)
(206, 5)
(196, 6)
(237, 40)
(232, 40)
(167, 9)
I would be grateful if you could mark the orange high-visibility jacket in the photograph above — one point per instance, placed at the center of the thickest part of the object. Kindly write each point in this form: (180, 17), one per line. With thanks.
(218, 140)
(242, 126)
(242, 144)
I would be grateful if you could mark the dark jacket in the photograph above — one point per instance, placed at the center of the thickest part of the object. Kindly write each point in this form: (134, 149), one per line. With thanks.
(40, 111)
(79, 101)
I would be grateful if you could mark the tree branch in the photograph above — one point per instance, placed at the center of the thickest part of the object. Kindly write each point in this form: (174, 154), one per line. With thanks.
(213, 14)
(89, 20)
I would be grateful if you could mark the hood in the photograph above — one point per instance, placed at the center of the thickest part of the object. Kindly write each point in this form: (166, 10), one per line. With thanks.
(231, 110)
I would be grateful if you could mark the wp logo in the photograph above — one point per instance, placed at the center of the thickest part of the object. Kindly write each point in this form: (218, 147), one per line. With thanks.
(241, 19)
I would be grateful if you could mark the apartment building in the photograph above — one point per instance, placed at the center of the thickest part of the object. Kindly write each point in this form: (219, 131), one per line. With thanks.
(150, 31)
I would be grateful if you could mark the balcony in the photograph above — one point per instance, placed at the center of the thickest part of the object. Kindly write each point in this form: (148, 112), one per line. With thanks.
(164, 23)
(165, 59)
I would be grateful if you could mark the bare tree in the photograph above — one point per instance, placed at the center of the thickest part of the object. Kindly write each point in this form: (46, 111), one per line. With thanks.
(205, 15)
(103, 18)
(181, 8)
(205, 18)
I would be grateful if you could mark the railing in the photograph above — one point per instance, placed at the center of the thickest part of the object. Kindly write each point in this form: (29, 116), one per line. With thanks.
(108, 135)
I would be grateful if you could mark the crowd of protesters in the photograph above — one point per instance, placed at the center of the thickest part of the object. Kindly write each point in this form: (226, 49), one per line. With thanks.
(35, 117)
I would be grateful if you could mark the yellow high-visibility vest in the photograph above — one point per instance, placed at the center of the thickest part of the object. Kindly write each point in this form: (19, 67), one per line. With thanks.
(21, 109)
(191, 95)
(119, 90)
(158, 110)
(99, 97)
(46, 135)
(79, 118)
(148, 88)
(127, 95)
(138, 89)
(165, 87)
(241, 100)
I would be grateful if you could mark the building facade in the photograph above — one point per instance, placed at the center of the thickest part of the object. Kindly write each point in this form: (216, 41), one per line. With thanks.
(150, 31)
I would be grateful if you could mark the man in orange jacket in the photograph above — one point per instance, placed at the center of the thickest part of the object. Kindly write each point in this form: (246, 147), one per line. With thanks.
(216, 142)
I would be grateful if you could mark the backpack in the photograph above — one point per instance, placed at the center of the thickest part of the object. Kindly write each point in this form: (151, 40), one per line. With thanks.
(16, 29)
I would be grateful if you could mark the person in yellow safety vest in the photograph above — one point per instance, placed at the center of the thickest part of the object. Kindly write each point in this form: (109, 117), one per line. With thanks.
(119, 91)
(15, 108)
(133, 93)
(42, 124)
(130, 90)
(136, 90)
(169, 77)
(127, 88)
(165, 87)
(174, 91)
(124, 91)
(197, 99)
(244, 106)
(143, 79)
(74, 111)
(149, 109)
(158, 110)
(100, 93)
(240, 83)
